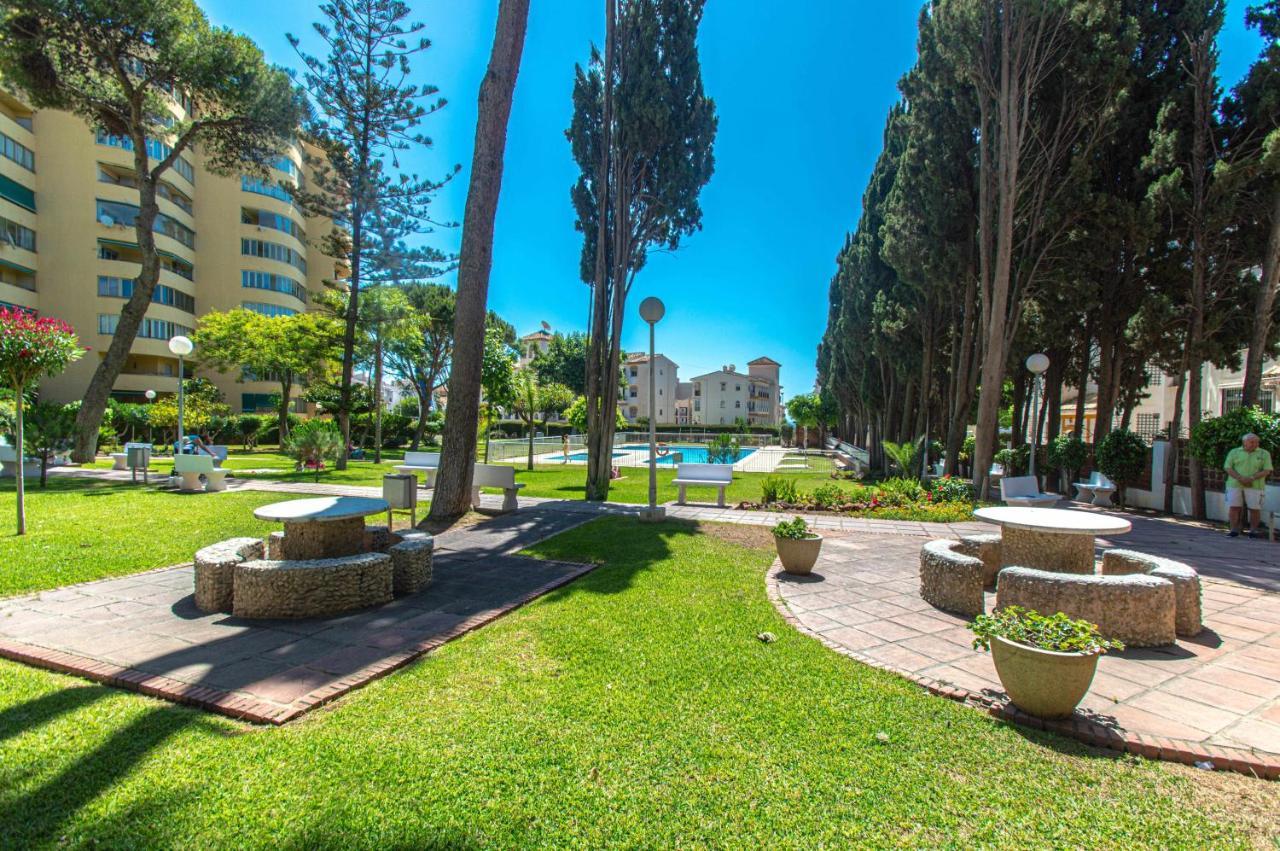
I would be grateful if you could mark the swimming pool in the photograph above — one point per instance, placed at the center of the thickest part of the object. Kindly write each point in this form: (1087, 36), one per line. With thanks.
(692, 453)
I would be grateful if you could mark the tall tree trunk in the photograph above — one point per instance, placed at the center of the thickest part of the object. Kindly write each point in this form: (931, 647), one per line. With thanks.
(377, 394)
(282, 413)
(1082, 380)
(1263, 307)
(453, 482)
(1175, 431)
(965, 379)
(94, 403)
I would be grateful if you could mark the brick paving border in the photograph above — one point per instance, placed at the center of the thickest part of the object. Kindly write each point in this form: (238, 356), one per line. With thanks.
(254, 710)
(1257, 765)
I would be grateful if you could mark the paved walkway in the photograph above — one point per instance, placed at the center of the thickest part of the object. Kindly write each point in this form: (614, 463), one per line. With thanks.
(1220, 689)
(144, 632)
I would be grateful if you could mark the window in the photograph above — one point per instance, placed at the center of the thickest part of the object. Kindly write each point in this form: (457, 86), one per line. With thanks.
(252, 403)
(264, 219)
(156, 150)
(265, 187)
(723, 386)
(112, 213)
(273, 251)
(272, 310)
(151, 329)
(276, 283)
(12, 190)
(659, 391)
(634, 372)
(697, 389)
(722, 403)
(1155, 375)
(17, 152)
(737, 403)
(737, 388)
(112, 287)
(1148, 425)
(1233, 397)
(286, 165)
(697, 404)
(17, 235)
(632, 394)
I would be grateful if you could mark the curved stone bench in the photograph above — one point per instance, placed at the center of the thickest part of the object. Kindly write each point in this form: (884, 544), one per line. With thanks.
(214, 569)
(949, 579)
(1186, 583)
(987, 549)
(411, 563)
(308, 589)
(1134, 608)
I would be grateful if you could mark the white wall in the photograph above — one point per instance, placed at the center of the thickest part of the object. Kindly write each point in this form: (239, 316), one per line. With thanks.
(1215, 503)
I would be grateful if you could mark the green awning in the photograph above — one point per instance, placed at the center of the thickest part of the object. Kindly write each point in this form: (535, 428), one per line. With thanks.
(17, 266)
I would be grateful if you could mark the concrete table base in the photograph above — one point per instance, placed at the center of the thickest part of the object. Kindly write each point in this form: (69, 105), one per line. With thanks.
(309, 540)
(1047, 550)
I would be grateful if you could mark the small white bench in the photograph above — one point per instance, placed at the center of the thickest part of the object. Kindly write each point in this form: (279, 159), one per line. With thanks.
(495, 476)
(118, 460)
(1024, 491)
(421, 462)
(9, 463)
(219, 453)
(191, 467)
(718, 476)
(1097, 490)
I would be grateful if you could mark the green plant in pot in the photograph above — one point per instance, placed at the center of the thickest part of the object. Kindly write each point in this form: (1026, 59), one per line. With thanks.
(1046, 663)
(798, 546)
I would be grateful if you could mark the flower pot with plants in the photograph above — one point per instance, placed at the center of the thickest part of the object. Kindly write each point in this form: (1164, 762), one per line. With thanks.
(1045, 663)
(798, 546)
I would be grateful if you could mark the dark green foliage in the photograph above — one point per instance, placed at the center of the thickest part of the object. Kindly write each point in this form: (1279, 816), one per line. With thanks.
(951, 489)
(1121, 456)
(1057, 632)
(1213, 438)
(722, 449)
(48, 428)
(312, 443)
(795, 529)
(564, 362)
(1067, 453)
(248, 426)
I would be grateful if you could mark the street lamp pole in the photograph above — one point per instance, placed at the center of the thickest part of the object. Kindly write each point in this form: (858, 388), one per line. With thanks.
(180, 346)
(652, 311)
(1037, 363)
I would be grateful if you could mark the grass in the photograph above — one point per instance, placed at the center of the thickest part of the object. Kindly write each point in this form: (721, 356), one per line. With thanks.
(634, 707)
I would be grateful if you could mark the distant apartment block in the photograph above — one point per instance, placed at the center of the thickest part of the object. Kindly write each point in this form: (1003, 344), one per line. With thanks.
(634, 402)
(68, 201)
(532, 345)
(726, 395)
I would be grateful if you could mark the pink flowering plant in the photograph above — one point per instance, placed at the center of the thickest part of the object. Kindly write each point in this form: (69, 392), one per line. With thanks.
(31, 347)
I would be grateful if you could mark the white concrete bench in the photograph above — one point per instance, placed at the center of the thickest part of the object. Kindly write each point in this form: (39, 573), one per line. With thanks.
(421, 462)
(191, 467)
(495, 476)
(718, 476)
(118, 460)
(1097, 490)
(219, 453)
(9, 463)
(1025, 491)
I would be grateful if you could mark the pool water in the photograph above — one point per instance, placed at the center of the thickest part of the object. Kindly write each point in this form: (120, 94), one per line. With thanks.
(693, 454)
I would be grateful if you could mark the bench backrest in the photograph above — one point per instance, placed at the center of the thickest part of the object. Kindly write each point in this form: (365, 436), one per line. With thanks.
(494, 476)
(192, 464)
(421, 459)
(716, 473)
(219, 452)
(1018, 486)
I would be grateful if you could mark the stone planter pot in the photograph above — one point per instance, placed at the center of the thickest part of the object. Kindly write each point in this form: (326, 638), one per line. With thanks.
(1044, 683)
(799, 555)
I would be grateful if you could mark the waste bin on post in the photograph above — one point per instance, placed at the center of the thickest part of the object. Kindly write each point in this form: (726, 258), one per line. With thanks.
(138, 457)
(400, 490)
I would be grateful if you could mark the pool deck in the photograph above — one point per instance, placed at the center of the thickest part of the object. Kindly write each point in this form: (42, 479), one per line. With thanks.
(764, 459)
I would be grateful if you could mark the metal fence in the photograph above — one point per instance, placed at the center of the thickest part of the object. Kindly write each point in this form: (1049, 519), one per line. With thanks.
(631, 449)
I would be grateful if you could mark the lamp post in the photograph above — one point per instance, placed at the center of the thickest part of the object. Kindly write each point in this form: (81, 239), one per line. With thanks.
(151, 398)
(652, 311)
(180, 346)
(1037, 363)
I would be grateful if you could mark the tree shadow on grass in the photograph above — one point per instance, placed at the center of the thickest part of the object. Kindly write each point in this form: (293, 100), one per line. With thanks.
(23, 717)
(621, 554)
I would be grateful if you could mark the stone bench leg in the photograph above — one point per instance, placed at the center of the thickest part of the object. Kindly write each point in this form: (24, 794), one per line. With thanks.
(1102, 498)
(216, 481)
(509, 502)
(720, 496)
(1084, 494)
(190, 483)
(1052, 551)
(681, 499)
(308, 541)
(475, 498)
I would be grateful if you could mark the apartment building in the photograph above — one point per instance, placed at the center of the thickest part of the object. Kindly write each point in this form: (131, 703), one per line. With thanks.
(68, 201)
(1223, 390)
(726, 395)
(634, 401)
(532, 345)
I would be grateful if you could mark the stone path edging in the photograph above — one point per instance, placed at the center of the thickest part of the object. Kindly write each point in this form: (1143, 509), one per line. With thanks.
(1096, 735)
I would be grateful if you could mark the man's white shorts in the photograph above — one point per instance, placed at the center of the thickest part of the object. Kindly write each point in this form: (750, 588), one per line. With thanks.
(1250, 498)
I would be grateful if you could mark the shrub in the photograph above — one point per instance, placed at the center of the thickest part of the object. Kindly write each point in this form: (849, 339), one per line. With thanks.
(829, 496)
(1067, 453)
(1028, 627)
(778, 489)
(248, 426)
(904, 456)
(1014, 460)
(794, 530)
(723, 449)
(1213, 438)
(1121, 457)
(313, 442)
(951, 489)
(900, 491)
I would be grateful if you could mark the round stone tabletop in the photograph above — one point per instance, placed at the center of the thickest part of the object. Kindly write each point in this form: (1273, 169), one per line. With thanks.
(321, 509)
(1056, 520)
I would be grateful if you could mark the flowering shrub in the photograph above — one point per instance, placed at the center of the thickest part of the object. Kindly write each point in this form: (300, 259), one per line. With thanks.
(31, 347)
(951, 489)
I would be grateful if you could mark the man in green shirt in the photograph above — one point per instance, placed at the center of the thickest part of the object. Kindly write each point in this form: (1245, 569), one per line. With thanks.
(1247, 469)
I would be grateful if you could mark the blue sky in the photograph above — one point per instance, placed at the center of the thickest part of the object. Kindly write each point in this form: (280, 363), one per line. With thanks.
(802, 90)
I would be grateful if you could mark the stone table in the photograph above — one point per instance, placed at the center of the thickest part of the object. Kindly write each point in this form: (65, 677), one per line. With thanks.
(1050, 538)
(324, 527)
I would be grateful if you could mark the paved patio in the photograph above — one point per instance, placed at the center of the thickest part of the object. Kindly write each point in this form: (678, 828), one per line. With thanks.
(144, 632)
(1220, 689)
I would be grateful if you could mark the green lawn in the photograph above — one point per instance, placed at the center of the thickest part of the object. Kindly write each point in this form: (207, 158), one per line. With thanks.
(633, 707)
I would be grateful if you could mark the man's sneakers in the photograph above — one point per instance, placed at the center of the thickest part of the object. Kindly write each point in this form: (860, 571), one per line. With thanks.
(1234, 533)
